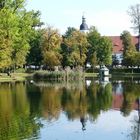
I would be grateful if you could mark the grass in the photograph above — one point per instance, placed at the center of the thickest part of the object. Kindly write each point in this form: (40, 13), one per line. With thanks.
(13, 77)
(72, 76)
(91, 74)
(126, 74)
(58, 75)
(62, 75)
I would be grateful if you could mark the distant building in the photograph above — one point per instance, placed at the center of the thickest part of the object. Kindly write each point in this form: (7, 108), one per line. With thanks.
(84, 27)
(117, 52)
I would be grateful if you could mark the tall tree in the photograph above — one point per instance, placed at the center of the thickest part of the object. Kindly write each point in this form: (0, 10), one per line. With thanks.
(17, 28)
(51, 47)
(26, 32)
(66, 48)
(134, 12)
(34, 56)
(93, 39)
(104, 51)
(100, 48)
(129, 49)
(76, 45)
(8, 29)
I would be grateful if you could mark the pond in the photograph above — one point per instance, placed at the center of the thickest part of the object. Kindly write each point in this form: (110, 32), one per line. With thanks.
(70, 111)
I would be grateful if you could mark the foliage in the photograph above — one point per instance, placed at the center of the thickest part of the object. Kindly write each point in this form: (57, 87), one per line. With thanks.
(93, 40)
(34, 56)
(104, 52)
(17, 28)
(100, 48)
(7, 34)
(129, 49)
(74, 48)
(51, 47)
(69, 31)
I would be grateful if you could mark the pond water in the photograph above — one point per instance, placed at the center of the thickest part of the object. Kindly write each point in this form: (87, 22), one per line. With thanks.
(70, 111)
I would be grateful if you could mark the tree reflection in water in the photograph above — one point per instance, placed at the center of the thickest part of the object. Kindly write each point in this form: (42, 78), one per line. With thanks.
(135, 128)
(24, 105)
(15, 120)
(131, 101)
(77, 101)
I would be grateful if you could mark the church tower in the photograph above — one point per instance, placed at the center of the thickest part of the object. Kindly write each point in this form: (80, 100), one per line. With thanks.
(84, 27)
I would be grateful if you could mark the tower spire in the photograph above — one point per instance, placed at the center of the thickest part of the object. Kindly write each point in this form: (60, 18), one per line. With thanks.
(83, 18)
(84, 26)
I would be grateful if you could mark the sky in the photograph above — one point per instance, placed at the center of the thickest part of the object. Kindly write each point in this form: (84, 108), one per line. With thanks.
(110, 17)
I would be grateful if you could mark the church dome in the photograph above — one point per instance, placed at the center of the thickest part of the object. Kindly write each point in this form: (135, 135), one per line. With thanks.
(83, 26)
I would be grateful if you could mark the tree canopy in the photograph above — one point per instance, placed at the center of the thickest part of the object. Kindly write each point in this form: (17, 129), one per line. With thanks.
(51, 47)
(17, 28)
(129, 51)
(100, 48)
(74, 48)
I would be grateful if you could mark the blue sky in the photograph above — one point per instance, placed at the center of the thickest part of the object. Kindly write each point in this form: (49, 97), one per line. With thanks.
(108, 16)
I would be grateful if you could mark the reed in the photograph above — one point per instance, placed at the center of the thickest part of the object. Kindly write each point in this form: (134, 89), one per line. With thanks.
(58, 75)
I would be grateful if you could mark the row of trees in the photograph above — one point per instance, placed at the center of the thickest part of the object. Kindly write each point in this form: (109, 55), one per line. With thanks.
(22, 42)
(73, 49)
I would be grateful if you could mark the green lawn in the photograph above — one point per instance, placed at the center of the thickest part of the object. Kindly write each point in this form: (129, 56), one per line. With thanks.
(13, 77)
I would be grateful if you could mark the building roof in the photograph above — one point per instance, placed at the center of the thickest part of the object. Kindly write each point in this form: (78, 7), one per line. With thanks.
(117, 43)
(83, 26)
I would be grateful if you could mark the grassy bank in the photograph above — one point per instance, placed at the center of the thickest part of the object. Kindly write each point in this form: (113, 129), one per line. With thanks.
(13, 77)
(125, 72)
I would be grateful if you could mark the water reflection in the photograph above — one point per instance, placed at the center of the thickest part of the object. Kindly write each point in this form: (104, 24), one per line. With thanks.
(15, 119)
(25, 106)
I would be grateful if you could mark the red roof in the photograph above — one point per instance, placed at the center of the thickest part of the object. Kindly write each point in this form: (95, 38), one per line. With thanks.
(117, 43)
(118, 102)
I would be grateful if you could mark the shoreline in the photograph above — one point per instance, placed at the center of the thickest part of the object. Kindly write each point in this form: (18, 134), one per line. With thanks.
(19, 77)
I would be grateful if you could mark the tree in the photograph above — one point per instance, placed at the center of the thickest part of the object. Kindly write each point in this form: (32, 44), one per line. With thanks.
(100, 48)
(34, 56)
(137, 59)
(134, 12)
(51, 47)
(8, 23)
(126, 41)
(26, 32)
(76, 48)
(66, 48)
(69, 32)
(17, 28)
(104, 51)
(129, 49)
(93, 39)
